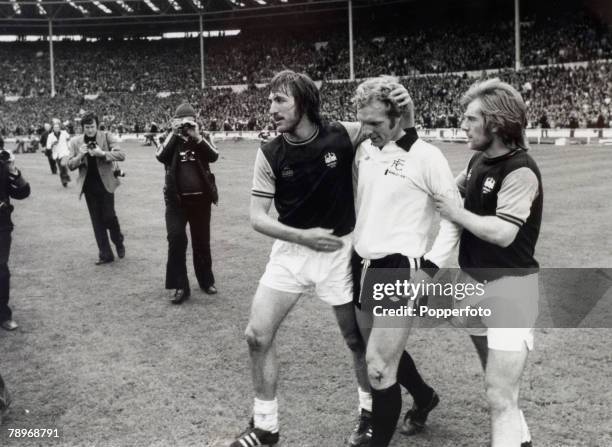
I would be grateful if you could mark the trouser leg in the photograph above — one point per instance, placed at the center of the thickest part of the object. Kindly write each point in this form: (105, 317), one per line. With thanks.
(176, 266)
(198, 215)
(95, 207)
(5, 276)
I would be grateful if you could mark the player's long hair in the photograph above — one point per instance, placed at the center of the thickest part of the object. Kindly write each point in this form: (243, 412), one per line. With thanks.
(303, 90)
(503, 110)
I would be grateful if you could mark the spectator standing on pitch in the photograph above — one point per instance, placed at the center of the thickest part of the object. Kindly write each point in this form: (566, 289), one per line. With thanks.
(501, 218)
(307, 172)
(57, 143)
(12, 185)
(48, 152)
(94, 154)
(398, 176)
(189, 193)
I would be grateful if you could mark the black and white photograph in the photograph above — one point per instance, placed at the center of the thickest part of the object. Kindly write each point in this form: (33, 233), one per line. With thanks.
(306, 223)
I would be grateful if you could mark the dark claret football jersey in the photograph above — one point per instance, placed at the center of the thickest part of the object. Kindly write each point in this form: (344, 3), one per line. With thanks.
(509, 187)
(311, 180)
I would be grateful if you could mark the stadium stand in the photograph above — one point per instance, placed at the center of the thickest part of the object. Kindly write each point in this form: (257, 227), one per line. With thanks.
(126, 84)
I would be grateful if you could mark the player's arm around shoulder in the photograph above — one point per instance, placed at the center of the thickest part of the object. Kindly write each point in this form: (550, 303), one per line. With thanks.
(355, 132)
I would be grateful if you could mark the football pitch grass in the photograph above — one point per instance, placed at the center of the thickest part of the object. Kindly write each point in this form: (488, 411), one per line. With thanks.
(103, 357)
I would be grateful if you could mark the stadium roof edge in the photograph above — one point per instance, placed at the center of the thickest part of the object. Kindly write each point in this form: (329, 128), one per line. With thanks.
(65, 13)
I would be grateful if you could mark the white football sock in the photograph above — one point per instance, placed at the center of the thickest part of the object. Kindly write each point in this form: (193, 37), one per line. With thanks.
(365, 400)
(265, 414)
(525, 435)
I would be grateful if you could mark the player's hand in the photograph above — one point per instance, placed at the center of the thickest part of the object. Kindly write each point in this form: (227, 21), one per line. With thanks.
(320, 239)
(400, 95)
(83, 150)
(446, 206)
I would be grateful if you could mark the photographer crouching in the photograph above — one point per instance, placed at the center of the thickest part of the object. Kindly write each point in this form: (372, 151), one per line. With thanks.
(12, 185)
(95, 154)
(189, 191)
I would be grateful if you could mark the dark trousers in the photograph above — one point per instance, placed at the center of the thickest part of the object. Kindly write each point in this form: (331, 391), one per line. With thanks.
(101, 206)
(196, 212)
(63, 172)
(52, 164)
(5, 275)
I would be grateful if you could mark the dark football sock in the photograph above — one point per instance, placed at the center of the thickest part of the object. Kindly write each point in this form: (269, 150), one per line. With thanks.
(408, 376)
(386, 408)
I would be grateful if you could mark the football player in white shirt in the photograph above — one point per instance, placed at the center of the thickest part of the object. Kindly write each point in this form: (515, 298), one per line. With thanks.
(397, 176)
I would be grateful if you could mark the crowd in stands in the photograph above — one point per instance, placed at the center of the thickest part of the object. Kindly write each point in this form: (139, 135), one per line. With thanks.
(126, 78)
(556, 96)
(254, 56)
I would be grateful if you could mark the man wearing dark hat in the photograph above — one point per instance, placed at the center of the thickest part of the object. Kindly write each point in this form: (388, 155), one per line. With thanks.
(189, 192)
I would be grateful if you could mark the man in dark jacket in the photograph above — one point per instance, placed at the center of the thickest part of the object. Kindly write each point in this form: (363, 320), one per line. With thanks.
(12, 185)
(188, 194)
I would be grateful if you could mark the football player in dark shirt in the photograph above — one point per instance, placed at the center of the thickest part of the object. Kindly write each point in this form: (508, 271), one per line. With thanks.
(501, 219)
(307, 172)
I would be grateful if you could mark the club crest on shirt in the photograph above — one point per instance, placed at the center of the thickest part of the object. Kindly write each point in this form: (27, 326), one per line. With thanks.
(488, 185)
(396, 168)
(286, 172)
(331, 160)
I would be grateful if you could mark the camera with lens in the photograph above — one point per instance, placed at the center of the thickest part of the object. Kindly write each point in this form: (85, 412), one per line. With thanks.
(91, 145)
(185, 127)
(5, 156)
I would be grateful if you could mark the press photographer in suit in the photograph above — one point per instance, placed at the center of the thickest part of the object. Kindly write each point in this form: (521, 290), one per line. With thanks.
(189, 192)
(12, 185)
(95, 154)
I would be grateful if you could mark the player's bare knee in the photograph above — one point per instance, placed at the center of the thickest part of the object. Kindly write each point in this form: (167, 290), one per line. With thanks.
(257, 340)
(500, 398)
(378, 372)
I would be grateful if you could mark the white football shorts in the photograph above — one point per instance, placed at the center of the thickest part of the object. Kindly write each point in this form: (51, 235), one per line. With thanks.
(295, 268)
